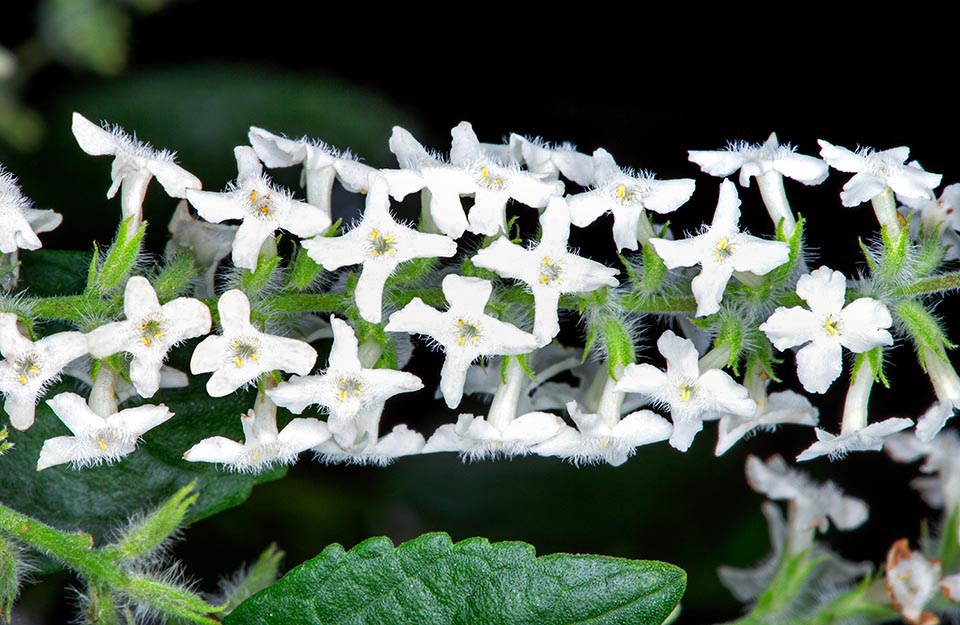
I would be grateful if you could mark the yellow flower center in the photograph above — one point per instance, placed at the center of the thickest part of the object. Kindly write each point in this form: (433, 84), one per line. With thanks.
(549, 271)
(467, 332)
(26, 367)
(243, 351)
(724, 250)
(150, 330)
(381, 244)
(492, 182)
(348, 387)
(687, 391)
(831, 325)
(261, 206)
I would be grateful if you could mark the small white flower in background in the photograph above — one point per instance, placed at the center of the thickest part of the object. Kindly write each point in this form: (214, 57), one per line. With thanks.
(322, 164)
(754, 160)
(97, 439)
(555, 160)
(263, 446)
(941, 457)
(816, 505)
(502, 433)
(946, 385)
(937, 216)
(149, 332)
(242, 353)
(263, 207)
(549, 269)
(346, 388)
(135, 163)
(19, 221)
(209, 243)
(626, 193)
(831, 572)
(868, 438)
(876, 171)
(827, 327)
(380, 244)
(598, 438)
(371, 450)
(464, 330)
(125, 391)
(720, 251)
(772, 410)
(912, 581)
(487, 173)
(691, 396)
(30, 367)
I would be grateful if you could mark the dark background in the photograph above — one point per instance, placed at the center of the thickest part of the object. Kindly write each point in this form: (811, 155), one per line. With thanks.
(199, 73)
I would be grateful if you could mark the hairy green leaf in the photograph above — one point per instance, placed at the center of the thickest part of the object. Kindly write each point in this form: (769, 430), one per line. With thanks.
(433, 580)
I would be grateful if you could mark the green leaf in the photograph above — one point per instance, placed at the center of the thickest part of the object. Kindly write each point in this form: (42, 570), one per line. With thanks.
(70, 499)
(654, 270)
(923, 328)
(9, 577)
(251, 580)
(432, 580)
(120, 258)
(949, 552)
(153, 530)
(618, 344)
(175, 276)
(54, 272)
(304, 271)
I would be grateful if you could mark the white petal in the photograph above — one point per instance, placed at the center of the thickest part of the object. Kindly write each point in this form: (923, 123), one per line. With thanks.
(642, 378)
(467, 294)
(642, 428)
(726, 218)
(840, 158)
(93, 139)
(276, 151)
(790, 327)
(666, 196)
(720, 163)
(823, 290)
(248, 165)
(215, 207)
(684, 431)
(216, 449)
(57, 450)
(345, 351)
(141, 419)
(708, 287)
(862, 187)
(174, 179)
(818, 365)
(682, 253)
(759, 256)
(625, 222)
(863, 323)
(75, 413)
(303, 434)
(806, 169)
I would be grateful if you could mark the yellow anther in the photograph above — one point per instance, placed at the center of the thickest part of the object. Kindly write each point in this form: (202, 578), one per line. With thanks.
(264, 209)
(484, 172)
(342, 395)
(374, 234)
(103, 445)
(146, 340)
(621, 191)
(686, 392)
(256, 456)
(602, 444)
(34, 369)
(253, 196)
(460, 341)
(363, 191)
(23, 379)
(237, 360)
(459, 322)
(831, 325)
(544, 279)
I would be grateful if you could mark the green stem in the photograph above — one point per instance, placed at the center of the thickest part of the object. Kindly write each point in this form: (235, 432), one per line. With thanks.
(933, 284)
(308, 302)
(664, 305)
(73, 308)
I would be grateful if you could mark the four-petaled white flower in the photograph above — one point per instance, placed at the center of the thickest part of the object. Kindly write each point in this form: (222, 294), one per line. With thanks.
(346, 388)
(778, 408)
(626, 193)
(19, 221)
(913, 580)
(263, 446)
(242, 352)
(263, 207)
(96, 439)
(827, 327)
(135, 163)
(941, 457)
(380, 244)
(721, 250)
(322, 164)
(464, 330)
(29, 367)
(816, 505)
(868, 438)
(549, 269)
(596, 439)
(691, 396)
(754, 160)
(475, 169)
(555, 160)
(209, 243)
(149, 332)
(876, 171)
(502, 433)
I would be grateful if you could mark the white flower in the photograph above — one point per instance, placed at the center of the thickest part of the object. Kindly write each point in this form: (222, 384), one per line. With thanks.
(263, 207)
(939, 216)
(502, 433)
(816, 505)
(263, 445)
(29, 367)
(554, 160)
(370, 450)
(549, 269)
(754, 160)
(778, 408)
(209, 243)
(941, 457)
(125, 391)
(135, 163)
(599, 439)
(626, 193)
(149, 332)
(876, 171)
(868, 438)
(322, 164)
(832, 571)
(474, 170)
(464, 330)
(827, 327)
(345, 388)
(19, 221)
(912, 582)
(96, 439)
(721, 250)
(946, 384)
(242, 353)
(380, 244)
(691, 396)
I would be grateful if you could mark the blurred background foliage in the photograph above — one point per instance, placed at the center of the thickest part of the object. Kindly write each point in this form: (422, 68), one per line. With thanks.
(193, 76)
